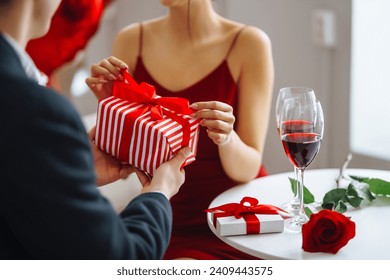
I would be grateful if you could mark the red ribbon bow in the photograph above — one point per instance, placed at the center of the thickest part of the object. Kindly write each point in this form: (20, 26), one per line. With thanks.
(158, 106)
(247, 208)
(145, 93)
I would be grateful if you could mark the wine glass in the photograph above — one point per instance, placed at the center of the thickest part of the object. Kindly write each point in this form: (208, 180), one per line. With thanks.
(284, 94)
(301, 130)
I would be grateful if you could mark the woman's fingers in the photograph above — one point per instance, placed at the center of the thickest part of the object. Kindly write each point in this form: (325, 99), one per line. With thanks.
(217, 126)
(103, 74)
(213, 110)
(109, 68)
(218, 138)
(91, 82)
(217, 117)
(101, 88)
(105, 70)
(212, 105)
(117, 62)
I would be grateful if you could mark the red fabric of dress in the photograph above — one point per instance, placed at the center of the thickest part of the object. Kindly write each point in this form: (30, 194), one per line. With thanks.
(205, 178)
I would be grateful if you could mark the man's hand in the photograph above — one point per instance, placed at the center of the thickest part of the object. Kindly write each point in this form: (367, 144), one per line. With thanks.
(108, 169)
(168, 178)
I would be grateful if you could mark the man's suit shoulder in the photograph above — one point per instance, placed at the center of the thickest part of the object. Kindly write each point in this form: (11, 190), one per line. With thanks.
(24, 97)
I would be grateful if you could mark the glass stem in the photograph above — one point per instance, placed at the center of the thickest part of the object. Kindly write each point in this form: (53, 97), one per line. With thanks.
(295, 187)
(302, 214)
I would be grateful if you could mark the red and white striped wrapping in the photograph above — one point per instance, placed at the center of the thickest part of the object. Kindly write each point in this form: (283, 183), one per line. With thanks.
(137, 139)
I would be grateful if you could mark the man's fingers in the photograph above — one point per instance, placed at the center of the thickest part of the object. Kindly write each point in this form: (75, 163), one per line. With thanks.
(91, 133)
(125, 171)
(142, 177)
(181, 156)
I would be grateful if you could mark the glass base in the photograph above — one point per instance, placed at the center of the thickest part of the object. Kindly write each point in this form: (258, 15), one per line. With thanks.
(291, 207)
(295, 224)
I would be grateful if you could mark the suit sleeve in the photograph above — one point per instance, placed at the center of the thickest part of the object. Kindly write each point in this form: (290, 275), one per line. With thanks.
(52, 204)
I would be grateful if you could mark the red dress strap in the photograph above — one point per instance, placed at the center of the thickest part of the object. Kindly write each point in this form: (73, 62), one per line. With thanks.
(234, 41)
(140, 39)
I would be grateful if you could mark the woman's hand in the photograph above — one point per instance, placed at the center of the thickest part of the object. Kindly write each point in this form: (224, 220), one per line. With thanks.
(218, 118)
(108, 169)
(103, 74)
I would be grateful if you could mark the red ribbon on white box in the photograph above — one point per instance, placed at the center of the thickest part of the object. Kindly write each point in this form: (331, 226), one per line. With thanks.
(247, 208)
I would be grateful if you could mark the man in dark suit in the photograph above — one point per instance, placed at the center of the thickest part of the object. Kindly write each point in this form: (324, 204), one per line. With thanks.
(50, 207)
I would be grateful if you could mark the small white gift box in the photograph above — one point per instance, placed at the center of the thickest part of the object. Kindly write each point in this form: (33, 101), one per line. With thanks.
(247, 217)
(230, 225)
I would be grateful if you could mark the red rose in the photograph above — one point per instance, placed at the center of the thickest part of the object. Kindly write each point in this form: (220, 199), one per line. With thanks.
(327, 231)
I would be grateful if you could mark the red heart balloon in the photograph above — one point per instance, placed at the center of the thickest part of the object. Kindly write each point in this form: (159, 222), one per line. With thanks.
(73, 24)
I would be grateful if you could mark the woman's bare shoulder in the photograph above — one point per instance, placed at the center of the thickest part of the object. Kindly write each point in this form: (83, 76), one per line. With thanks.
(132, 30)
(253, 45)
(253, 37)
(129, 32)
(125, 46)
(249, 35)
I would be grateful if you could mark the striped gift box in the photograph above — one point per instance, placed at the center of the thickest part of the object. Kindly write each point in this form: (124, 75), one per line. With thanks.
(125, 131)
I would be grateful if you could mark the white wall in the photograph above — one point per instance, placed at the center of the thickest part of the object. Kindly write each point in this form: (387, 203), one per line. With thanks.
(298, 61)
(371, 60)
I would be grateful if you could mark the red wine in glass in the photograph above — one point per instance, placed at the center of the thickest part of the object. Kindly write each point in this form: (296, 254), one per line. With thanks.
(301, 148)
(288, 127)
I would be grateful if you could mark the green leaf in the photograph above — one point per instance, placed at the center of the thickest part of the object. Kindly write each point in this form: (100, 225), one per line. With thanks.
(308, 197)
(368, 194)
(334, 196)
(308, 211)
(328, 206)
(351, 191)
(340, 207)
(379, 186)
(361, 190)
(376, 186)
(355, 201)
(359, 179)
(353, 196)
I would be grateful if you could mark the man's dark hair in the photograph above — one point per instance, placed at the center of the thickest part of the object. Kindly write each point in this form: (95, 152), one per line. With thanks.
(3, 5)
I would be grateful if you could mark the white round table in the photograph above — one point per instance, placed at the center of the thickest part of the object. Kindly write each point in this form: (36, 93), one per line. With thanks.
(372, 240)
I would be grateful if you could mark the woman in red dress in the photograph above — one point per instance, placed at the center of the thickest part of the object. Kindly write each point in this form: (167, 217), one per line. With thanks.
(225, 69)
